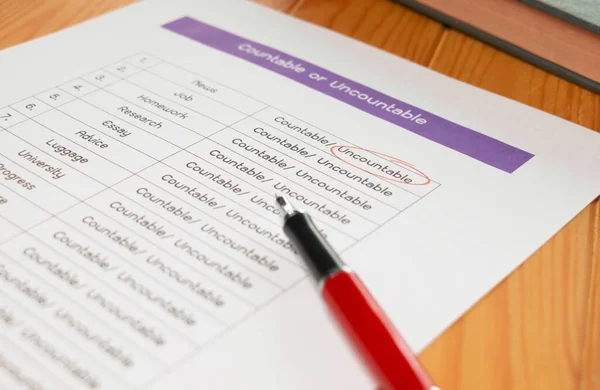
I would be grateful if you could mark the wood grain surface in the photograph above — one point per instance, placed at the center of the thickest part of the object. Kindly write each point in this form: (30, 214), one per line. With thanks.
(539, 328)
(540, 33)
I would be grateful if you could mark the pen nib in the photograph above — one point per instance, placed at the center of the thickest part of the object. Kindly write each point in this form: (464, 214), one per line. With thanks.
(284, 205)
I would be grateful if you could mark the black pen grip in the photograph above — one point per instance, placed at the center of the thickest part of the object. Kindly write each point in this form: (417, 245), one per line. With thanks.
(312, 246)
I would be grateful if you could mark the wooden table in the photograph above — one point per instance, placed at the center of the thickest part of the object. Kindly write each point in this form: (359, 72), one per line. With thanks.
(539, 328)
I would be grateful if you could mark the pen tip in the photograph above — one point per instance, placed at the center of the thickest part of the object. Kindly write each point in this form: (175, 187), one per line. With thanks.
(284, 205)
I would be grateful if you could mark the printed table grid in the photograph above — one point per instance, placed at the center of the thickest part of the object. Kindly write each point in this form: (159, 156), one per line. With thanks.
(125, 74)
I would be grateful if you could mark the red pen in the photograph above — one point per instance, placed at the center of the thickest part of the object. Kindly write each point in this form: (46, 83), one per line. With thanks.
(366, 326)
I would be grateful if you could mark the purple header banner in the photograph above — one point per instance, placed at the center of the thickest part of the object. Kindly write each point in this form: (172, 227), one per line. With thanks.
(452, 135)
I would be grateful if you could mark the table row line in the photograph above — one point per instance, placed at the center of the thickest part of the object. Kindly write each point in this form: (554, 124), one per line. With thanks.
(65, 164)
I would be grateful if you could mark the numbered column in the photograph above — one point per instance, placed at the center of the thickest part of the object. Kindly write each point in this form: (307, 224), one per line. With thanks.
(9, 117)
(18, 205)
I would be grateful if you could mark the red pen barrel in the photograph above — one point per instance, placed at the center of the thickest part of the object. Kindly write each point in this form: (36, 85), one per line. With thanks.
(372, 334)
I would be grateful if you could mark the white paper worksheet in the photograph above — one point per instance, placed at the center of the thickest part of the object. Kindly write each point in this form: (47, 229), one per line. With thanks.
(140, 245)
